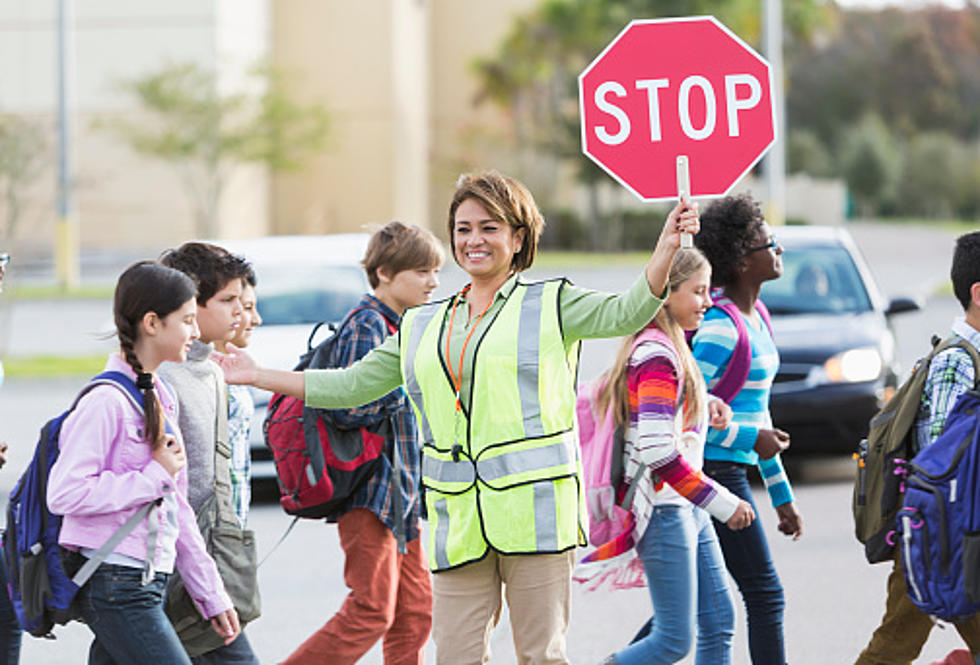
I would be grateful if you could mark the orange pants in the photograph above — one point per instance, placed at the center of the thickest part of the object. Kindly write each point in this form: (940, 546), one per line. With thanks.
(390, 598)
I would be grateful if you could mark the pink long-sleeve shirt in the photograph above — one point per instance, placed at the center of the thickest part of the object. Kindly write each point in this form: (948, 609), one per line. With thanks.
(105, 472)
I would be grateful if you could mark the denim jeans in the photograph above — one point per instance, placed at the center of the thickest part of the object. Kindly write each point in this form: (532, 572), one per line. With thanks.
(688, 587)
(238, 652)
(128, 620)
(9, 628)
(750, 564)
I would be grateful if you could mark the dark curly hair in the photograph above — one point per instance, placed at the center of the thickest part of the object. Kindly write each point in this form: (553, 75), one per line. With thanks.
(965, 271)
(728, 229)
(209, 265)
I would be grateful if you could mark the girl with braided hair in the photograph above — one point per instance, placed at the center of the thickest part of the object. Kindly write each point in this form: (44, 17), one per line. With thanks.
(114, 460)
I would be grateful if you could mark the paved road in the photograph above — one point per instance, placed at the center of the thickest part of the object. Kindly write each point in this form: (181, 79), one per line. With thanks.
(834, 598)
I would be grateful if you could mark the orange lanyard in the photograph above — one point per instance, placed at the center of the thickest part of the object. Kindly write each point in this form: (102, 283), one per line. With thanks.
(457, 381)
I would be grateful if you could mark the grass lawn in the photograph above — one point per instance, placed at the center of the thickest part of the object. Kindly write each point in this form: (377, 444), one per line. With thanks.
(50, 366)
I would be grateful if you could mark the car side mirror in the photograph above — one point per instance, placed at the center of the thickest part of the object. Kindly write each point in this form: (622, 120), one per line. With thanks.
(900, 305)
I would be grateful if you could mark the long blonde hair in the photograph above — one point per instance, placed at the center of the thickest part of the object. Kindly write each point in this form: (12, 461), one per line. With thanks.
(615, 389)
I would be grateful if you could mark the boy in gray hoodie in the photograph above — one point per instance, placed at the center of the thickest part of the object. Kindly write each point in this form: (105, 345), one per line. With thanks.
(200, 386)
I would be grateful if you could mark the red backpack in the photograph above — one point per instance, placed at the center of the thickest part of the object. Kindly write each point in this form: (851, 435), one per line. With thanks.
(319, 466)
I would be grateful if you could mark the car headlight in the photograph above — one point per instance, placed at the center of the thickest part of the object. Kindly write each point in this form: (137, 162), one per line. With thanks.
(854, 366)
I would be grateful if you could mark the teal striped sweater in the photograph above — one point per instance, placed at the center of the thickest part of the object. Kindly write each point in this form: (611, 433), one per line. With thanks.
(713, 347)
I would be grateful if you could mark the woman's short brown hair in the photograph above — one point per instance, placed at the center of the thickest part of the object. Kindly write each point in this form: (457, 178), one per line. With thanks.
(505, 200)
(397, 246)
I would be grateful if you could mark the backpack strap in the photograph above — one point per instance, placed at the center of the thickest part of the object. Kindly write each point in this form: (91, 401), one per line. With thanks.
(223, 510)
(100, 555)
(392, 328)
(955, 341)
(737, 371)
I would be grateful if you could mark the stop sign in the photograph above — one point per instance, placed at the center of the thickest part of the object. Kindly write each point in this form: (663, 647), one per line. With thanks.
(666, 88)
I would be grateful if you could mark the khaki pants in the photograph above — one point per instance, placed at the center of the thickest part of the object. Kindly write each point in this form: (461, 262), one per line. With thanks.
(905, 628)
(467, 607)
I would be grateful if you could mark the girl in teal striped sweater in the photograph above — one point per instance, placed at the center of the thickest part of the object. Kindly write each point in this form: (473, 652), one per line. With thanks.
(744, 254)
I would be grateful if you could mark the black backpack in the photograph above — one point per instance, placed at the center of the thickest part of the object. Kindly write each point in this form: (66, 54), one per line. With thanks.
(881, 458)
(319, 466)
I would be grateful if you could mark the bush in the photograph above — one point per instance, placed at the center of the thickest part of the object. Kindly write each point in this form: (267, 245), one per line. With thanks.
(870, 163)
(936, 176)
(805, 153)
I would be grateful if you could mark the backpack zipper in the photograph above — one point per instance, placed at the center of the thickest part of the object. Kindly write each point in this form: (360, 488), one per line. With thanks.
(941, 509)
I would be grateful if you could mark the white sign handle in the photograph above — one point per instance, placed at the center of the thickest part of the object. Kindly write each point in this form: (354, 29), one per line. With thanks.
(684, 189)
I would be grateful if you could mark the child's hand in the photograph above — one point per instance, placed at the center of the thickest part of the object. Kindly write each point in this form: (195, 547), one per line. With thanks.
(771, 442)
(790, 520)
(719, 414)
(226, 625)
(238, 366)
(743, 516)
(170, 455)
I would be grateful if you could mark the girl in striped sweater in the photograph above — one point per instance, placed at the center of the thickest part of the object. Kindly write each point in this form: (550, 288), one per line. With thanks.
(743, 254)
(657, 392)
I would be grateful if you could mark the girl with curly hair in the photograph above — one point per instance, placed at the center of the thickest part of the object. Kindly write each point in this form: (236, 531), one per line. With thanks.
(743, 254)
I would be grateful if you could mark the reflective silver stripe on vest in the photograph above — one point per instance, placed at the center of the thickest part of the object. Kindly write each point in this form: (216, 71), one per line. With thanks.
(421, 322)
(528, 343)
(545, 517)
(522, 461)
(442, 534)
(447, 471)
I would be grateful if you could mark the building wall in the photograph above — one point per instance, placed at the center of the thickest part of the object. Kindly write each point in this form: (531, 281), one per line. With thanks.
(396, 78)
(394, 75)
(122, 199)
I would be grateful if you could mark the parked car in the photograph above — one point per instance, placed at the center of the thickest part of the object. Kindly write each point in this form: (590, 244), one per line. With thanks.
(302, 280)
(837, 348)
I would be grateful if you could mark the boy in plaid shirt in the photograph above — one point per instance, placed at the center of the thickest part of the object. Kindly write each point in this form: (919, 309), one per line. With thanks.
(390, 588)
(905, 628)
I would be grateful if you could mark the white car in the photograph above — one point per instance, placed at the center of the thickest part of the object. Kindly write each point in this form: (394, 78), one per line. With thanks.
(301, 280)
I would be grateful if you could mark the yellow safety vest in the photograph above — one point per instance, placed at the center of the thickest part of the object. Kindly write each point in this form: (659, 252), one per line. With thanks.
(505, 472)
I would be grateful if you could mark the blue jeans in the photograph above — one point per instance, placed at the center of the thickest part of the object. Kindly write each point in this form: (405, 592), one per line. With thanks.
(689, 588)
(9, 628)
(238, 652)
(749, 562)
(128, 620)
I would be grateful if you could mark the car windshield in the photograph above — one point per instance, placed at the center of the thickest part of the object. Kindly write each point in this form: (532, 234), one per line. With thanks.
(291, 295)
(817, 280)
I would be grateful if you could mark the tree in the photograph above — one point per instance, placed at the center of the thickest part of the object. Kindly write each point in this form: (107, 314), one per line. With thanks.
(205, 133)
(870, 163)
(23, 156)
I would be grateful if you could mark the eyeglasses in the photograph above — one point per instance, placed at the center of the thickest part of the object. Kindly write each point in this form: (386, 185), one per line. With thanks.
(772, 244)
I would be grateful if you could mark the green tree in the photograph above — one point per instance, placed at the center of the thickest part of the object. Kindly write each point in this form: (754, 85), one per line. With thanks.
(204, 133)
(806, 153)
(936, 174)
(23, 157)
(870, 163)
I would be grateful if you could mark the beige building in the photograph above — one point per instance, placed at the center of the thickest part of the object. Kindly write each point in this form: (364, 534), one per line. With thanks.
(394, 76)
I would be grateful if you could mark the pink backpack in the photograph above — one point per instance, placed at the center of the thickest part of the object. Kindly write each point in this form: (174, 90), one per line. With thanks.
(608, 494)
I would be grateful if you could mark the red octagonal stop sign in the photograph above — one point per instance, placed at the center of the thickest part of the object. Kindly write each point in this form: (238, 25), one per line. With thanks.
(670, 87)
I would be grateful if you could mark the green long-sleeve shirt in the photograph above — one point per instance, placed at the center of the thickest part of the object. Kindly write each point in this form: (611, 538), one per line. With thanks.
(585, 314)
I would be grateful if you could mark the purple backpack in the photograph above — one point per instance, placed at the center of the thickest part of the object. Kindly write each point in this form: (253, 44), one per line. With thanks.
(737, 370)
